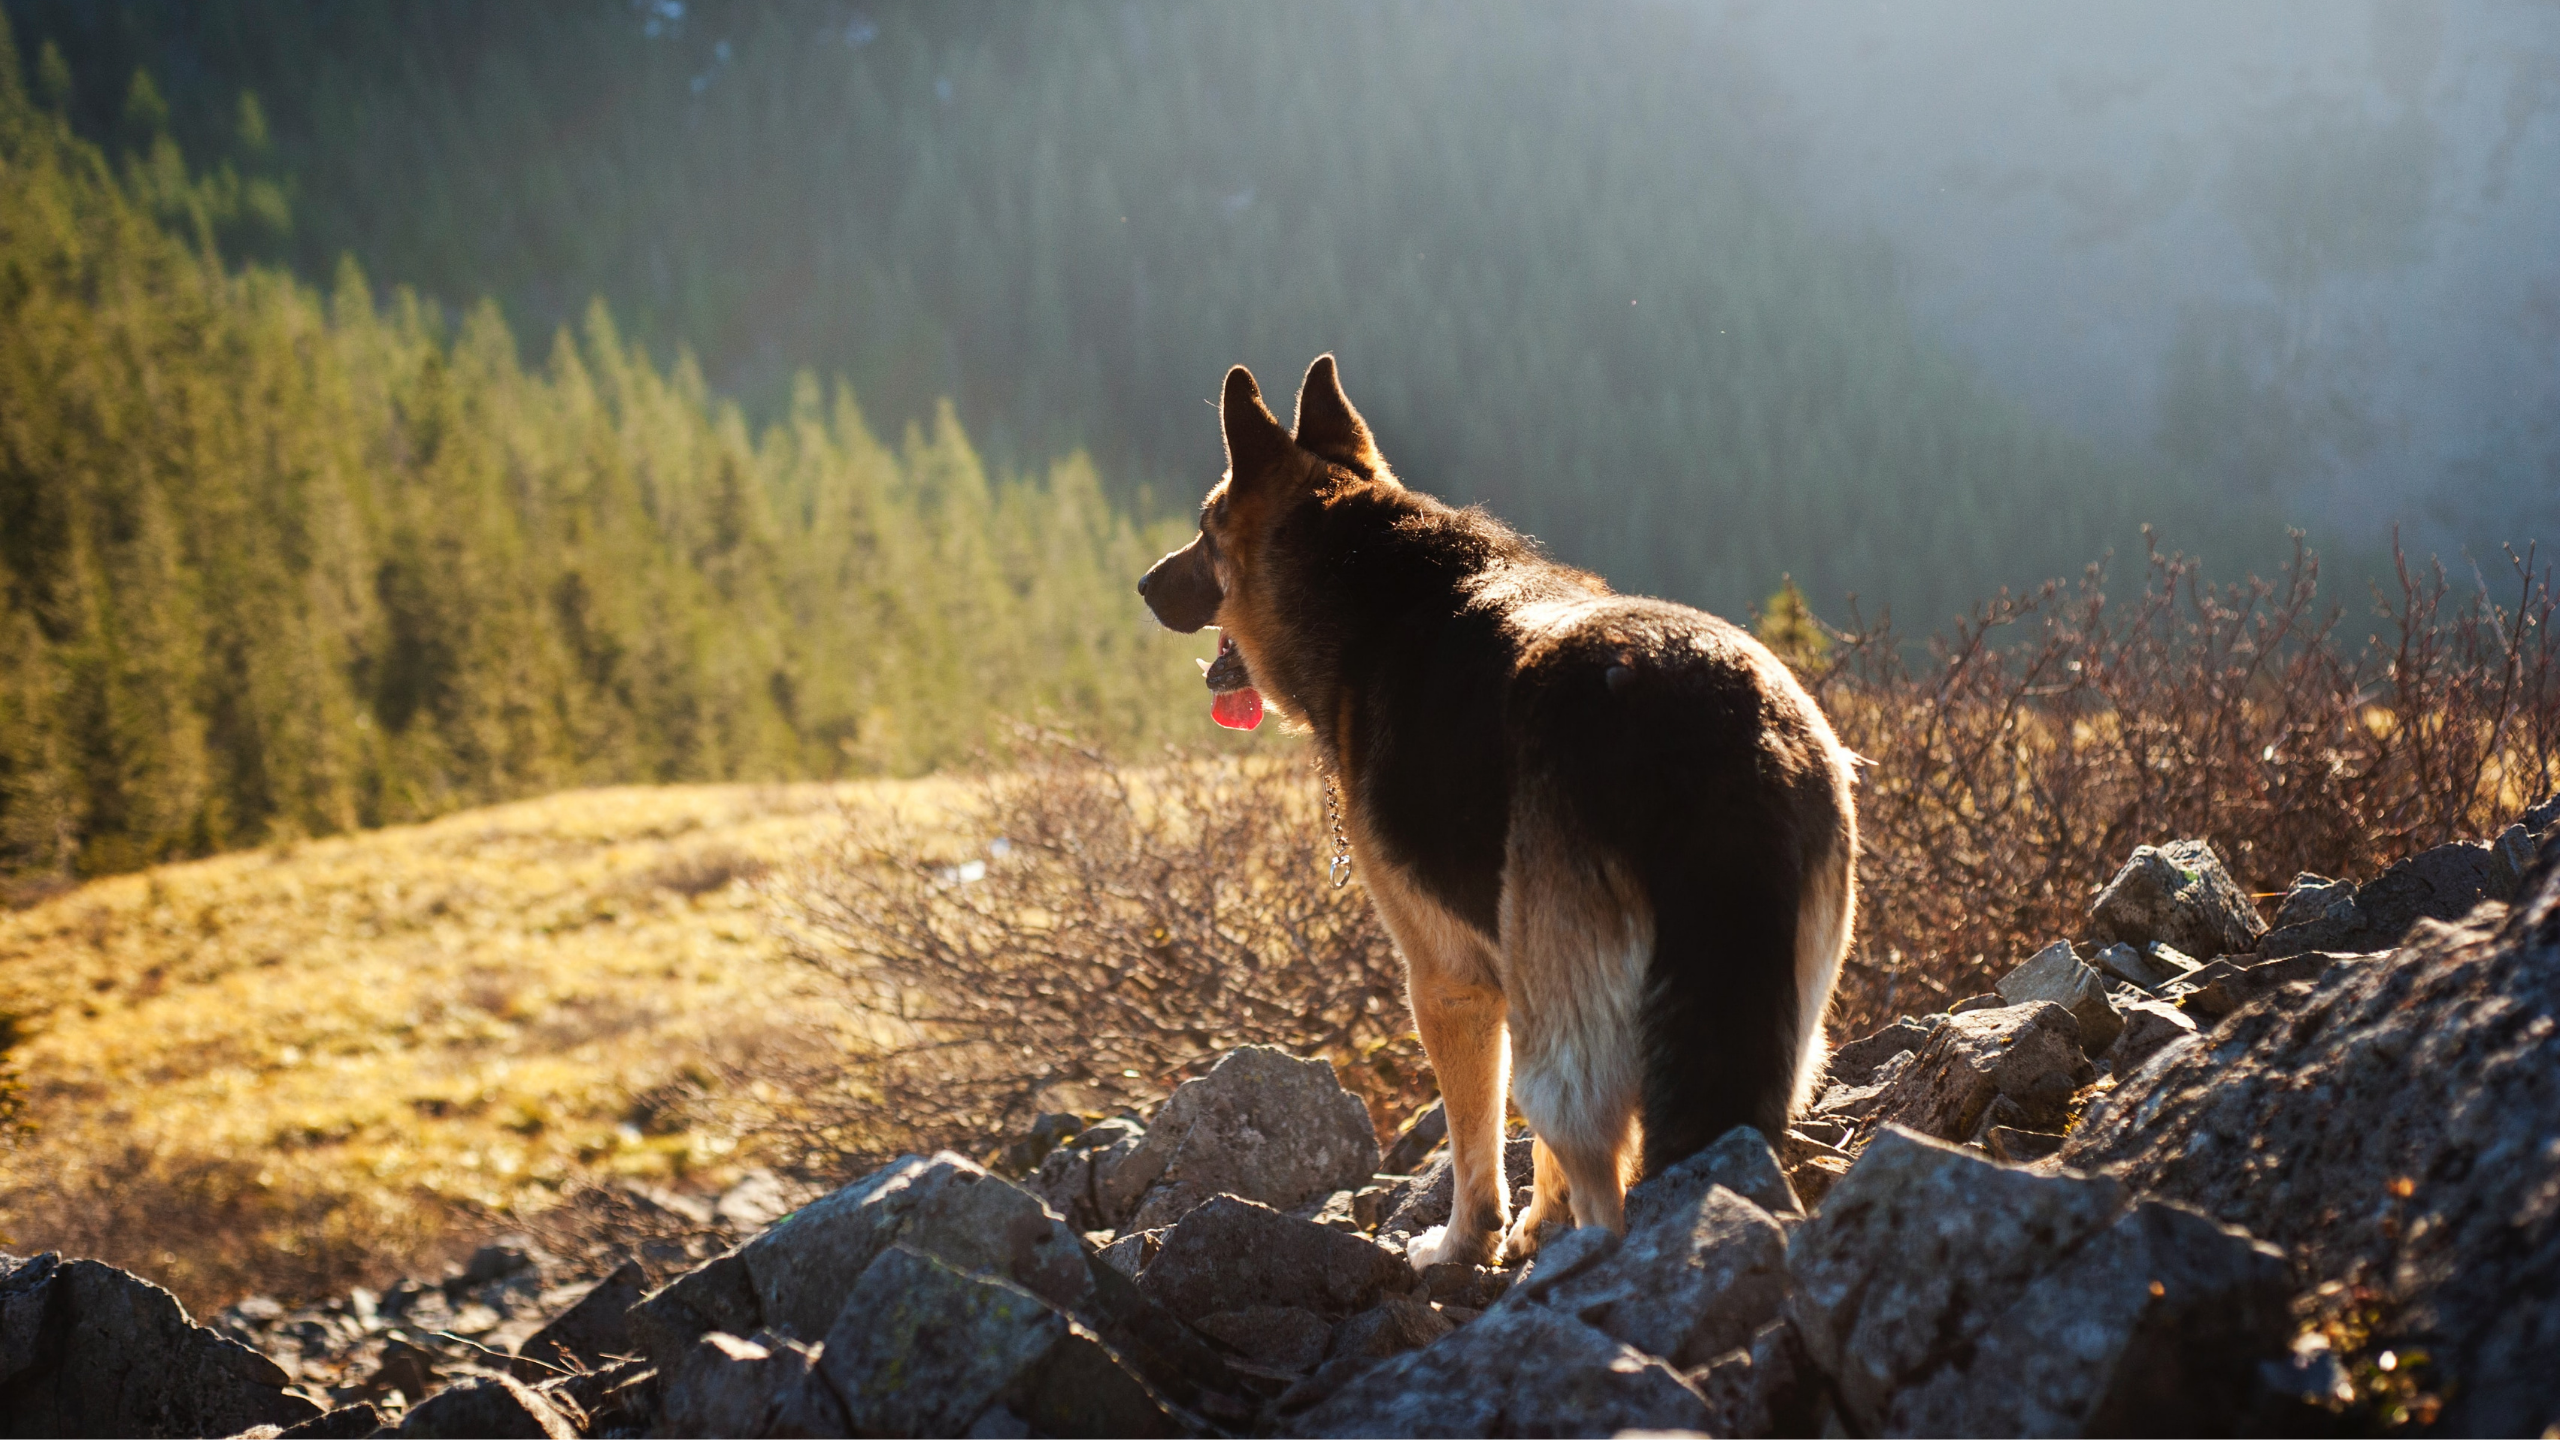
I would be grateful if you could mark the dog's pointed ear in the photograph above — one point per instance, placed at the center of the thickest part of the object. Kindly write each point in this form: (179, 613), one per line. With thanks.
(1255, 441)
(1328, 426)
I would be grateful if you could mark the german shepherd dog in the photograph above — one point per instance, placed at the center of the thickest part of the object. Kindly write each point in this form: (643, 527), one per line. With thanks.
(1612, 836)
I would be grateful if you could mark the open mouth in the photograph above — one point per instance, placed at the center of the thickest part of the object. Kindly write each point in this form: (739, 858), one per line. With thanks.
(1237, 706)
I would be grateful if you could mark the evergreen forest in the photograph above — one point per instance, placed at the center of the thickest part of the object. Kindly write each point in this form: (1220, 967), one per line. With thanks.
(281, 560)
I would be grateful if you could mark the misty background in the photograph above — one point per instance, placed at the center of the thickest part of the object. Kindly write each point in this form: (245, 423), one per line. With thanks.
(1911, 301)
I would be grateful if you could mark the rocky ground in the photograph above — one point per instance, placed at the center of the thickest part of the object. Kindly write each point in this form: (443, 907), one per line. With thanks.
(2184, 1174)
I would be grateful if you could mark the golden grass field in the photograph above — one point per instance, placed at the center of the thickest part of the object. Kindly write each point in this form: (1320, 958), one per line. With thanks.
(341, 1059)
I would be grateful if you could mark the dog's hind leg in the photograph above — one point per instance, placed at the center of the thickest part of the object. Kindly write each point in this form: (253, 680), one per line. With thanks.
(1577, 942)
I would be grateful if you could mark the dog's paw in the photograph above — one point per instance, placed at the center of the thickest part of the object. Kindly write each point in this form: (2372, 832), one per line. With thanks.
(1429, 1248)
(1523, 1240)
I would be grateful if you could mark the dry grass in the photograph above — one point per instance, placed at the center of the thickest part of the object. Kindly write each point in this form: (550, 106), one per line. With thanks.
(293, 1070)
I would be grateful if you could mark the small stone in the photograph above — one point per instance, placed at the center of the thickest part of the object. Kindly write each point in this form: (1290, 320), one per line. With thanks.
(1130, 1253)
(1426, 1132)
(2055, 974)
(2019, 1147)
(1971, 1003)
(925, 1349)
(1689, 1285)
(1470, 1287)
(1518, 1370)
(491, 1407)
(2145, 972)
(1855, 1063)
(2510, 856)
(2148, 1025)
(1823, 1132)
(597, 1326)
(1282, 1336)
(761, 1386)
(1740, 1160)
(1333, 1212)
(1262, 1125)
(506, 1256)
(1813, 1166)
(2029, 1053)
(1021, 1159)
(2179, 893)
(1394, 1325)
(1085, 1179)
(1233, 1252)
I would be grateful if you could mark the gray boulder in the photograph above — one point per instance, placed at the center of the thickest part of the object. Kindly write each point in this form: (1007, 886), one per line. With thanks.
(1855, 1063)
(1519, 1370)
(1395, 1325)
(1284, 1337)
(2400, 1121)
(2149, 1025)
(2150, 968)
(583, 1336)
(795, 1276)
(765, 1386)
(1087, 1179)
(925, 1349)
(486, 1407)
(87, 1349)
(1416, 1204)
(2029, 1055)
(2177, 893)
(2444, 883)
(1231, 1253)
(1688, 1286)
(1740, 1160)
(2056, 975)
(1262, 1125)
(2155, 1326)
(1920, 1248)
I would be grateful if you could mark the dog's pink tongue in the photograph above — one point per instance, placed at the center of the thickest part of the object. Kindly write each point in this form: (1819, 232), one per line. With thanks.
(1237, 709)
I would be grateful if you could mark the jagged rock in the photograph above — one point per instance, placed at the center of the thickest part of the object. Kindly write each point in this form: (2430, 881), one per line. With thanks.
(1333, 1212)
(1021, 1159)
(925, 1349)
(2155, 1326)
(1393, 1326)
(1417, 1204)
(2225, 986)
(1231, 1253)
(1469, 1287)
(1130, 1253)
(1688, 1286)
(2028, 1053)
(1262, 1125)
(1282, 1336)
(504, 1257)
(2019, 1147)
(2311, 897)
(1918, 1251)
(2439, 884)
(1087, 1179)
(2148, 1025)
(486, 1407)
(766, 1385)
(347, 1422)
(2398, 1125)
(2056, 975)
(2177, 893)
(621, 1397)
(1770, 1388)
(1427, 1131)
(1813, 1165)
(2150, 968)
(1521, 1369)
(87, 1349)
(794, 1277)
(1740, 1160)
(1855, 1063)
(596, 1327)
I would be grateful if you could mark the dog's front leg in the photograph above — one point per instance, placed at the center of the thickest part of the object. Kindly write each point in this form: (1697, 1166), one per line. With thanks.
(1463, 1031)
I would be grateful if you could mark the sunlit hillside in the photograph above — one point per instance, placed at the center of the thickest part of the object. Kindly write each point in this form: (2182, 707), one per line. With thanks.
(312, 1064)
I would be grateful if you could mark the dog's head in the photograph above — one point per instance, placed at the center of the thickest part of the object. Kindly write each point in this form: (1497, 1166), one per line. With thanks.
(1269, 473)
(1220, 578)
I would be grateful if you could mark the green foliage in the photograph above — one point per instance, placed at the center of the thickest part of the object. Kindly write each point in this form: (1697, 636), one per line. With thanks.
(1786, 624)
(1557, 250)
(277, 562)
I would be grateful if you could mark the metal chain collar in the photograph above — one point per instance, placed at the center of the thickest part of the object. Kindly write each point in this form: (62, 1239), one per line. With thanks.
(1341, 870)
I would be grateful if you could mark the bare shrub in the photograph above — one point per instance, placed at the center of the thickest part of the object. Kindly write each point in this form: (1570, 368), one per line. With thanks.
(1109, 930)
(2043, 738)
